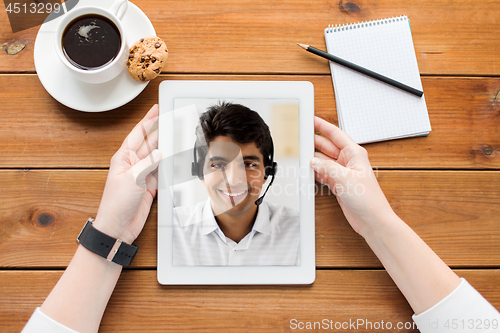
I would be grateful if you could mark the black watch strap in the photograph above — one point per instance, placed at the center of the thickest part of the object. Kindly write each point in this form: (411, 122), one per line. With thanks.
(106, 246)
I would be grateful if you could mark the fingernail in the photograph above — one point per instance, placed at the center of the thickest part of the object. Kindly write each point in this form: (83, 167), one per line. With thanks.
(315, 161)
(157, 154)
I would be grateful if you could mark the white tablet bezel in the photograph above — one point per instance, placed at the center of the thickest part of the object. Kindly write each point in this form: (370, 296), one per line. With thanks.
(229, 275)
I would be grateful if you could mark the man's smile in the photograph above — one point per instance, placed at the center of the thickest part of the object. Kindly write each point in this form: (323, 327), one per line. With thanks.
(239, 194)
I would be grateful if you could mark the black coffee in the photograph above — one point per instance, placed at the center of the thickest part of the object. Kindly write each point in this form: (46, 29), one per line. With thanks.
(91, 41)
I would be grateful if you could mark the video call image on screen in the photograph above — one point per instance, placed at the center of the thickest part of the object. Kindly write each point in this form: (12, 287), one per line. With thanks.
(227, 153)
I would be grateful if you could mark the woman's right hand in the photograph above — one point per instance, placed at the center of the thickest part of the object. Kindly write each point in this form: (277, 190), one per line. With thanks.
(132, 182)
(343, 165)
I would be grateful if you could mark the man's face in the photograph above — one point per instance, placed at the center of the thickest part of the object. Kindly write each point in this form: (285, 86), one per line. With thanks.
(233, 175)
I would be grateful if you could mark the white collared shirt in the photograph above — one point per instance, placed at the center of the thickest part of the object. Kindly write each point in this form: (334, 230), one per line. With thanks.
(198, 240)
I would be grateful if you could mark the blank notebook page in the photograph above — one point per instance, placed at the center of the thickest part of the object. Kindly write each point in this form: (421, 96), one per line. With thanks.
(368, 109)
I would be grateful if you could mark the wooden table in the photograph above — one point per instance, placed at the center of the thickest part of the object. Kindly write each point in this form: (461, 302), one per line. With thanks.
(54, 161)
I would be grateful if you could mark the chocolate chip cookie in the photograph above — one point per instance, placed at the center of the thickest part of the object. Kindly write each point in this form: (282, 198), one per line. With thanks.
(147, 58)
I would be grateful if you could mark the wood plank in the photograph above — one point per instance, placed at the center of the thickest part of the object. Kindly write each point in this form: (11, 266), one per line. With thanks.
(235, 36)
(455, 212)
(38, 132)
(140, 304)
(449, 210)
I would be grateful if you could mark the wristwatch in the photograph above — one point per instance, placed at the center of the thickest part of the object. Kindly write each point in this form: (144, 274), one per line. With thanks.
(112, 249)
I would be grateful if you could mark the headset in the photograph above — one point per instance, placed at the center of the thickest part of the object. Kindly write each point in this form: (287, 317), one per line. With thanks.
(270, 169)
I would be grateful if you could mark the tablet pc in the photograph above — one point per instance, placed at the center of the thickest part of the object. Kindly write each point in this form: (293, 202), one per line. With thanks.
(236, 190)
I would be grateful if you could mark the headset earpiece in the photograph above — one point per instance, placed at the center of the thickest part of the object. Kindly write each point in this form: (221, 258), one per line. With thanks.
(196, 166)
(271, 170)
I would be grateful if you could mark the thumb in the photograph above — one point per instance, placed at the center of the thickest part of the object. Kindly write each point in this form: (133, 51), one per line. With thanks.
(144, 167)
(328, 168)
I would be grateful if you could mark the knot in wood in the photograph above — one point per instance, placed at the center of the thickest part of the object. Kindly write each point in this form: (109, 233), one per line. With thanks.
(487, 150)
(349, 7)
(44, 219)
(13, 47)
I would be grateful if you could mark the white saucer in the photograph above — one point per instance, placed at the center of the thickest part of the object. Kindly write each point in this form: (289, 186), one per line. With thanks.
(76, 94)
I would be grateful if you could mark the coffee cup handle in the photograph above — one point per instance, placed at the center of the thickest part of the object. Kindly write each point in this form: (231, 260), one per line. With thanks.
(119, 8)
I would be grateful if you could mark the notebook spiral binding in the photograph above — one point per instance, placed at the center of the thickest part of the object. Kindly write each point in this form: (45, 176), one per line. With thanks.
(359, 25)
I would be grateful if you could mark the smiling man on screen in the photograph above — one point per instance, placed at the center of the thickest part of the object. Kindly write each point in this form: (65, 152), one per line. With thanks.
(233, 158)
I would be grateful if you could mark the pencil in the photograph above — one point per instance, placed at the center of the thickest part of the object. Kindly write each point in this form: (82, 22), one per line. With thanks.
(362, 70)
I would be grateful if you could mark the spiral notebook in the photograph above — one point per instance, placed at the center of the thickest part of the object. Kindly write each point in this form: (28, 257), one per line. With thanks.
(370, 110)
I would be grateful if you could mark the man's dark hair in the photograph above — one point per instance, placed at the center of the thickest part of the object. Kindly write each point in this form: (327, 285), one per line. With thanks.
(239, 123)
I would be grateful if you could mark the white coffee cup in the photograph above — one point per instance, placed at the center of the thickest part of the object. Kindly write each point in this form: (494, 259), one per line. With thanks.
(108, 72)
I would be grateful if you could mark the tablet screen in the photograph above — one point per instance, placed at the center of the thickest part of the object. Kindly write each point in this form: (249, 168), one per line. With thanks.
(236, 181)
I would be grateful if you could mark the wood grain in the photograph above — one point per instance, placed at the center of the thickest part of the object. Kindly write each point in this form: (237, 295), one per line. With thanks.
(140, 304)
(38, 132)
(455, 212)
(235, 36)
